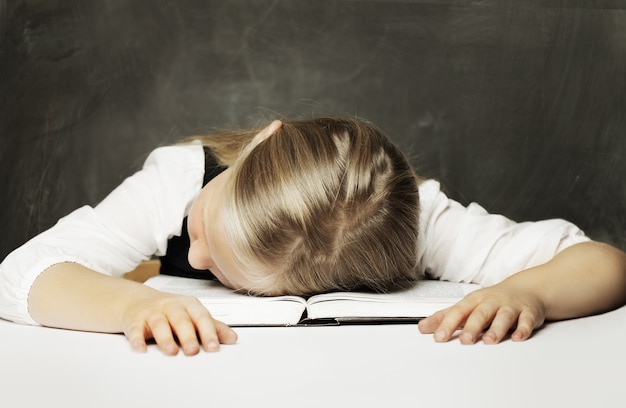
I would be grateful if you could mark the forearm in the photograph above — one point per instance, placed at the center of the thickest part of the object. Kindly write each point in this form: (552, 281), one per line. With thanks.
(584, 279)
(68, 295)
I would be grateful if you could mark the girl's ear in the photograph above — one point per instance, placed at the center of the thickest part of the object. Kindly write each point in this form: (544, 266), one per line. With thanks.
(267, 132)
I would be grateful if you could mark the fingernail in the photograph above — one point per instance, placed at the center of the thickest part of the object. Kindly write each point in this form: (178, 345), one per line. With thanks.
(171, 349)
(517, 336)
(234, 335)
(440, 335)
(139, 347)
(212, 346)
(190, 348)
(466, 338)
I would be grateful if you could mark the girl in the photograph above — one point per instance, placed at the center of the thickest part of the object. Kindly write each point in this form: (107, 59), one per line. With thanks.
(298, 208)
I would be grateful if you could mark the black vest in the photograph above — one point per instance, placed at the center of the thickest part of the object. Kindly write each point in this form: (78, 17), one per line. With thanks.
(175, 261)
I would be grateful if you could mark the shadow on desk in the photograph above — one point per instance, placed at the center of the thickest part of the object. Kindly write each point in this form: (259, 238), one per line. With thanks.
(144, 271)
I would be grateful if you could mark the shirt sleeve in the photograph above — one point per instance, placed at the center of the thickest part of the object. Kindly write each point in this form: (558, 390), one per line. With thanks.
(130, 225)
(467, 244)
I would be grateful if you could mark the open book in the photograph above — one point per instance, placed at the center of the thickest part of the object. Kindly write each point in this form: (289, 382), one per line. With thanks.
(235, 309)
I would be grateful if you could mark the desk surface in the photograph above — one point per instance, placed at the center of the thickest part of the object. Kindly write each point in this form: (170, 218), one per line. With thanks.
(577, 363)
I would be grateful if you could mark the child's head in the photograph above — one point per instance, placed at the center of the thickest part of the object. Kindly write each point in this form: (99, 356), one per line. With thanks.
(323, 204)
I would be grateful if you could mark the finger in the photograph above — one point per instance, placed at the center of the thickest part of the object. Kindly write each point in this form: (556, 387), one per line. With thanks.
(162, 334)
(214, 332)
(225, 333)
(505, 319)
(480, 318)
(205, 327)
(183, 327)
(526, 323)
(211, 332)
(454, 318)
(430, 323)
(136, 336)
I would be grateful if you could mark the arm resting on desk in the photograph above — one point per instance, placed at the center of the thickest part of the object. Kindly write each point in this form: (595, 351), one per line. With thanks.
(584, 279)
(68, 295)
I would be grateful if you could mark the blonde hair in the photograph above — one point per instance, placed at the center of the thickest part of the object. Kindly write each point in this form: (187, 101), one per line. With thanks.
(322, 204)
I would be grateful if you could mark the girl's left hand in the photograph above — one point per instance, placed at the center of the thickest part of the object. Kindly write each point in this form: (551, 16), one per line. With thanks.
(493, 311)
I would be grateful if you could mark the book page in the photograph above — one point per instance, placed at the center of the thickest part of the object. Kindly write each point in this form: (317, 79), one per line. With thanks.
(234, 309)
(421, 300)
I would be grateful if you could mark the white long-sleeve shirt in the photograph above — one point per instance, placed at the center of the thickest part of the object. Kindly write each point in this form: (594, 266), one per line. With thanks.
(135, 221)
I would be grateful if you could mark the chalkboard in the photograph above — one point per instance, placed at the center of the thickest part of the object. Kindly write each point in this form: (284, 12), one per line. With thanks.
(517, 105)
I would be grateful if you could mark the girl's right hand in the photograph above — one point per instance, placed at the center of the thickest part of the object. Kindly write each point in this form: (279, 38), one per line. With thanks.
(167, 318)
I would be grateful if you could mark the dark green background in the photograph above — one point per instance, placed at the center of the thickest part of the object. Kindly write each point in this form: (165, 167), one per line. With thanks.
(518, 105)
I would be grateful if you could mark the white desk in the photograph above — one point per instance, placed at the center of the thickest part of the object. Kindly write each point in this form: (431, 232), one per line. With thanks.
(578, 363)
